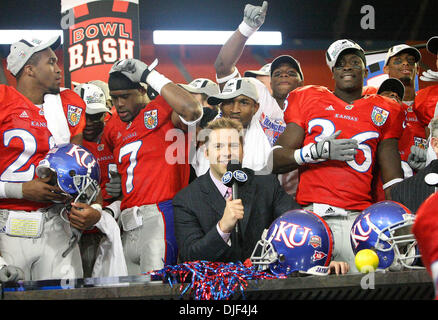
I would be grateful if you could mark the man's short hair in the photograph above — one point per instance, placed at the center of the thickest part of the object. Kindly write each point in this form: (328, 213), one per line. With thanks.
(224, 123)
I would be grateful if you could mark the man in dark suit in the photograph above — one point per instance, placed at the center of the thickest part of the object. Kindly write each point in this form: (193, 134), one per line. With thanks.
(412, 191)
(206, 217)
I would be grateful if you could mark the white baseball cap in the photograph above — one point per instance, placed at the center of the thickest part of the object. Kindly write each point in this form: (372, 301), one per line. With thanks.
(339, 46)
(102, 85)
(400, 48)
(22, 50)
(234, 88)
(202, 85)
(263, 71)
(93, 97)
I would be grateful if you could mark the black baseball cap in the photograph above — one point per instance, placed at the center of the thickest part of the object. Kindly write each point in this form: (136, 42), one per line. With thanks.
(392, 85)
(286, 59)
(432, 45)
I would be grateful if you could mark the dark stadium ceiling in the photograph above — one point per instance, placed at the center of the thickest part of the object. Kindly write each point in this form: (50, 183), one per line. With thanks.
(395, 21)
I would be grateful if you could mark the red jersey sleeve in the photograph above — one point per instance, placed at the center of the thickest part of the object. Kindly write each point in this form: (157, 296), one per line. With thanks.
(366, 90)
(109, 134)
(393, 127)
(425, 104)
(295, 105)
(74, 109)
(425, 230)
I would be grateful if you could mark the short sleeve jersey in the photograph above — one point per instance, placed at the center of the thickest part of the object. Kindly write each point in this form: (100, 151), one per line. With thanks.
(150, 153)
(425, 104)
(368, 120)
(25, 139)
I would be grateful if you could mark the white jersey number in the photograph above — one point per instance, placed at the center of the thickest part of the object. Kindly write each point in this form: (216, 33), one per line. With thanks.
(130, 149)
(328, 128)
(11, 173)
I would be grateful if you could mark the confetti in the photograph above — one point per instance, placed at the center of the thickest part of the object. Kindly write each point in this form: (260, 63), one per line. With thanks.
(211, 280)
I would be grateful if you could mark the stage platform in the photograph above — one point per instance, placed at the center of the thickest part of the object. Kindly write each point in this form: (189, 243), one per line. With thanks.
(405, 285)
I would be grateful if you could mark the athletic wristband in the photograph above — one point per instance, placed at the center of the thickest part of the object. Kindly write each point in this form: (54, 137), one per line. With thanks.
(190, 123)
(304, 155)
(235, 74)
(10, 190)
(157, 81)
(246, 30)
(390, 183)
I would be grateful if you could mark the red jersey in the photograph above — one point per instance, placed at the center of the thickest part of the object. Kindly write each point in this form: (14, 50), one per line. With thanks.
(150, 153)
(425, 104)
(413, 134)
(425, 230)
(105, 159)
(369, 120)
(25, 139)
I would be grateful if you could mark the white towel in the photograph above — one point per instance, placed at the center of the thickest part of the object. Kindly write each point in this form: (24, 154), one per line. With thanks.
(110, 260)
(256, 147)
(56, 120)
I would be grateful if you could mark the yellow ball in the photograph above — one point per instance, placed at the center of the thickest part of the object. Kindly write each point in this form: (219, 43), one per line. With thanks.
(366, 260)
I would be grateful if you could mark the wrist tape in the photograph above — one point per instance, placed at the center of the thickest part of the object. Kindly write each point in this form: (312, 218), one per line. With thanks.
(246, 30)
(156, 80)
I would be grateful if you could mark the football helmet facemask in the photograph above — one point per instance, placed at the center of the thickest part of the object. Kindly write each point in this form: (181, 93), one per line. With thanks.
(386, 228)
(76, 170)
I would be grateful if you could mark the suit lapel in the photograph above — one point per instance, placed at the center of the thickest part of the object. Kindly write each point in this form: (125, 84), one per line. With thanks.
(214, 199)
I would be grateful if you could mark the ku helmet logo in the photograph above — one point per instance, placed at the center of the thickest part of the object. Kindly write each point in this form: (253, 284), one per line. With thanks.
(358, 234)
(81, 156)
(287, 232)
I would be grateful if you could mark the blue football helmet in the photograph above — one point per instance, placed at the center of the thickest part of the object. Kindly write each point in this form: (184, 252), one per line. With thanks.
(77, 171)
(385, 227)
(298, 240)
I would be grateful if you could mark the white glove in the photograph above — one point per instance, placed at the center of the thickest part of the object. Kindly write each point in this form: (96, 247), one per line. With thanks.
(254, 16)
(11, 274)
(134, 69)
(114, 187)
(429, 75)
(334, 149)
(417, 158)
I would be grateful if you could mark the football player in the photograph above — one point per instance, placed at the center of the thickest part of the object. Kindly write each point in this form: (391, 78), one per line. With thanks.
(425, 107)
(35, 116)
(402, 63)
(285, 74)
(149, 144)
(336, 139)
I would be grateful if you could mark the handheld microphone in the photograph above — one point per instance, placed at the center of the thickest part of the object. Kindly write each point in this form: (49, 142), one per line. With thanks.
(233, 168)
(238, 177)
